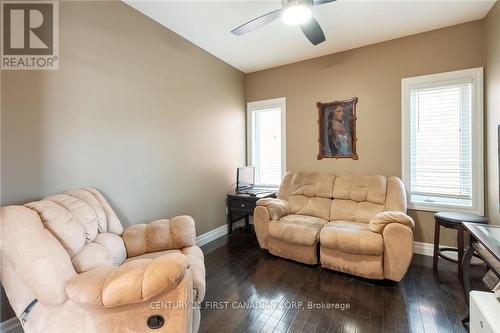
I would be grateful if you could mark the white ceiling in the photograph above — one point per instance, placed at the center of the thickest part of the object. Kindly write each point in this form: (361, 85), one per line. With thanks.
(347, 24)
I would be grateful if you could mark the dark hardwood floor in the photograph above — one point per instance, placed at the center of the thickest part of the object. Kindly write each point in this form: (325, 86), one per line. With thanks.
(249, 290)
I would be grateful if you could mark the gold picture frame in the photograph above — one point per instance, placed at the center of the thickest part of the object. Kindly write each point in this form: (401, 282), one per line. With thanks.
(337, 129)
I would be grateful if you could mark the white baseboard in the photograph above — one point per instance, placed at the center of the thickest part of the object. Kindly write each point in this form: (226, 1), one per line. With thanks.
(213, 234)
(426, 249)
(207, 237)
(12, 325)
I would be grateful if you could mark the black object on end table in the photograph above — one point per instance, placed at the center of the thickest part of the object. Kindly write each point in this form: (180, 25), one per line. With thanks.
(453, 220)
(241, 205)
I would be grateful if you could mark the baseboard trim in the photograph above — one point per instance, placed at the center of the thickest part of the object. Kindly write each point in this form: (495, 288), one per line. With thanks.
(425, 249)
(10, 325)
(207, 237)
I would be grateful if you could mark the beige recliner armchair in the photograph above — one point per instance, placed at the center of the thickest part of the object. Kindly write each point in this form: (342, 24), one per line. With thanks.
(356, 223)
(68, 266)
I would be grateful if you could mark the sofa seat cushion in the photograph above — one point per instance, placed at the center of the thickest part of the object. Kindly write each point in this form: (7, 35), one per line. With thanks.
(351, 237)
(297, 229)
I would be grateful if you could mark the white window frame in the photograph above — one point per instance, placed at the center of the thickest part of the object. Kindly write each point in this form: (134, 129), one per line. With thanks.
(262, 105)
(477, 134)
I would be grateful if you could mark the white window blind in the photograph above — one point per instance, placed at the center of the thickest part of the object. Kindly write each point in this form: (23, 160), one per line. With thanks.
(443, 140)
(267, 146)
(266, 141)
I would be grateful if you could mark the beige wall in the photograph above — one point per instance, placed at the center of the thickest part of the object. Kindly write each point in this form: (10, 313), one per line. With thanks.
(135, 110)
(153, 121)
(373, 74)
(492, 26)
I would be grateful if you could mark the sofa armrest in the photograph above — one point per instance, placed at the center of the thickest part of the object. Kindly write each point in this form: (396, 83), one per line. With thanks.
(176, 233)
(398, 250)
(132, 282)
(277, 208)
(196, 264)
(379, 221)
(266, 211)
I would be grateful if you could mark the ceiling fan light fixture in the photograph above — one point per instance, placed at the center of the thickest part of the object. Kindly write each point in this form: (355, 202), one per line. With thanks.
(296, 15)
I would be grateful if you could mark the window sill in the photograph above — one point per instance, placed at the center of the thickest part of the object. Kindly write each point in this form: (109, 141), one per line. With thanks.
(418, 206)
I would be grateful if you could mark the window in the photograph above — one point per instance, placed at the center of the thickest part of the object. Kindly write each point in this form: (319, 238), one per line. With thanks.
(266, 140)
(443, 141)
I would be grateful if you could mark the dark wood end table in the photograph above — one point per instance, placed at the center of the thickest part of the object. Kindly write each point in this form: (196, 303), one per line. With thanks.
(241, 205)
(453, 220)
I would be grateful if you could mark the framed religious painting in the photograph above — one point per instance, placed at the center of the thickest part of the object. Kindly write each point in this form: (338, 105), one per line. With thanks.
(337, 129)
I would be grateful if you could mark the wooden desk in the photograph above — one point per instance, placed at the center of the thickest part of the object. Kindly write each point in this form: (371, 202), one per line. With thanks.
(241, 205)
(485, 242)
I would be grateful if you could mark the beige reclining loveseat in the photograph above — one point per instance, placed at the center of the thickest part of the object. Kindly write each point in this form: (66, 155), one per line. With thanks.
(355, 223)
(68, 266)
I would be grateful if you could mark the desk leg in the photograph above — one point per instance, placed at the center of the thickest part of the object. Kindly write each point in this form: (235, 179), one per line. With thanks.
(229, 218)
(466, 278)
(247, 221)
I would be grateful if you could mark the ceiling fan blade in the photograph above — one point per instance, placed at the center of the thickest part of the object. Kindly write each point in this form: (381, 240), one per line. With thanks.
(313, 31)
(320, 2)
(257, 22)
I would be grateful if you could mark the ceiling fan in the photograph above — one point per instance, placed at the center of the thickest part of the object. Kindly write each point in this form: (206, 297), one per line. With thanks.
(293, 12)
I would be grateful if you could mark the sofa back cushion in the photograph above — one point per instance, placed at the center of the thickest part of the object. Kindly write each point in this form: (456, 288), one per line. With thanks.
(351, 210)
(358, 197)
(346, 197)
(308, 193)
(312, 184)
(85, 225)
(42, 266)
(360, 188)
